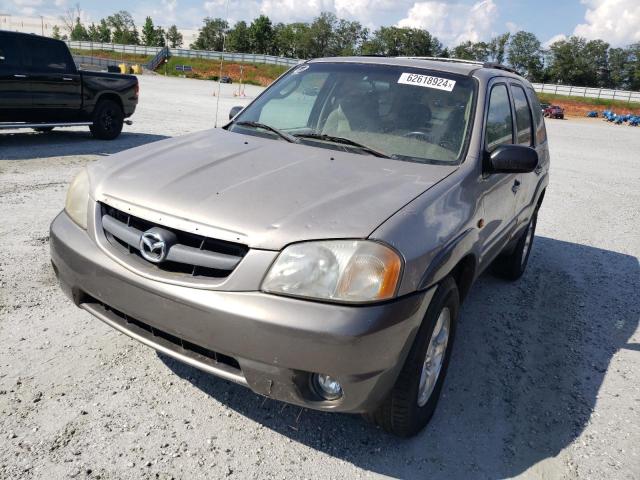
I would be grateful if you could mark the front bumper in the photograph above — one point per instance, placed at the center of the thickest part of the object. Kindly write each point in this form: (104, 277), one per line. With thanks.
(269, 343)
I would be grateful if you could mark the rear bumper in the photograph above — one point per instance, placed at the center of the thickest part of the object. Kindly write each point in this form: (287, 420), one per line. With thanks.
(269, 343)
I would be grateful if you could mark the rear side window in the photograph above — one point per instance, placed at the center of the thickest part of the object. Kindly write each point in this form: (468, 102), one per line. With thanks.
(49, 56)
(499, 128)
(523, 115)
(541, 132)
(10, 52)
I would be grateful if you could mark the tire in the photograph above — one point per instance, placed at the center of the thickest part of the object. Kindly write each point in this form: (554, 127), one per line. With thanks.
(108, 119)
(43, 129)
(512, 266)
(404, 412)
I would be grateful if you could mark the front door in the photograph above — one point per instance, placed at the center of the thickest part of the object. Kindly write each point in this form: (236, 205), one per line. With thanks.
(499, 199)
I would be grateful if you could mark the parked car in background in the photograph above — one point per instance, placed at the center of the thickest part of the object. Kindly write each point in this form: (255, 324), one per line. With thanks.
(554, 111)
(317, 248)
(225, 79)
(41, 88)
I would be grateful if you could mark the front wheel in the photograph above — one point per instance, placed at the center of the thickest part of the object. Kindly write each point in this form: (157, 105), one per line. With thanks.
(413, 399)
(108, 119)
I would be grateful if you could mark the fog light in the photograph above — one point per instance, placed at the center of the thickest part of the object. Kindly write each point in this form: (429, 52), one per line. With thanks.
(327, 387)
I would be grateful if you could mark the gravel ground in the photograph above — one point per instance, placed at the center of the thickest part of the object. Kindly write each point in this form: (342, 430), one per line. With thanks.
(544, 380)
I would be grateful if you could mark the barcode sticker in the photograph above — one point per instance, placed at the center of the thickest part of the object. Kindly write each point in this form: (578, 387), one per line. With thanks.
(427, 81)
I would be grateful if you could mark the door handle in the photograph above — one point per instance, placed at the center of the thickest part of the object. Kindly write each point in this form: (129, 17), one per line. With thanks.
(516, 186)
(67, 79)
(18, 75)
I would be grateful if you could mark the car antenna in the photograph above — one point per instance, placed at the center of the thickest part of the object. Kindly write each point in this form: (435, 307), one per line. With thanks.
(224, 39)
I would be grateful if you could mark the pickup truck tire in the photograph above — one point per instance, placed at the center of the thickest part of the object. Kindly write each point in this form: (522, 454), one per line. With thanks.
(512, 266)
(108, 119)
(404, 413)
(43, 129)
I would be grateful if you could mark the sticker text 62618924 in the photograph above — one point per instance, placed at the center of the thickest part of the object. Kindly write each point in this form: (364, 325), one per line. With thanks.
(427, 81)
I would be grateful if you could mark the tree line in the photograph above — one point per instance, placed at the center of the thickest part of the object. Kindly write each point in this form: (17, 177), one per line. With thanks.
(572, 61)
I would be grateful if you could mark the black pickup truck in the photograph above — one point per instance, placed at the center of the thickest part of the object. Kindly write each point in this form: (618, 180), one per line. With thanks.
(41, 88)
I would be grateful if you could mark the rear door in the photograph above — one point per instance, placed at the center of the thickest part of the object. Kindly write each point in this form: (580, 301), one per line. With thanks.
(499, 199)
(15, 94)
(525, 135)
(55, 82)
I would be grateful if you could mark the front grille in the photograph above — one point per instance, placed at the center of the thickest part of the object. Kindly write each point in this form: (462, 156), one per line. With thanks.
(190, 255)
(169, 340)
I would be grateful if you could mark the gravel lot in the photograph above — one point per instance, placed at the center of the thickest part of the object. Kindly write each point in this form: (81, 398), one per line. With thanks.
(544, 380)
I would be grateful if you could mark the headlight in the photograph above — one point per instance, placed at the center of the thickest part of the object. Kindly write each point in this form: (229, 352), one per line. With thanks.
(340, 270)
(78, 198)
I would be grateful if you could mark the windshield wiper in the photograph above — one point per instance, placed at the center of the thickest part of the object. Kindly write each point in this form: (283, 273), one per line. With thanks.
(343, 141)
(264, 126)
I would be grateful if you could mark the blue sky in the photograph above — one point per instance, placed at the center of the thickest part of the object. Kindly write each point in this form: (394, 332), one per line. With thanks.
(616, 21)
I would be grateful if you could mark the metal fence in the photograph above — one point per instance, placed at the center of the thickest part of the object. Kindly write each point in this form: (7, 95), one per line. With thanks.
(184, 52)
(605, 93)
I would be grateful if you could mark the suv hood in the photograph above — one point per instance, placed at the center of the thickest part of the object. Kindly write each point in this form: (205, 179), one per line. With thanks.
(260, 192)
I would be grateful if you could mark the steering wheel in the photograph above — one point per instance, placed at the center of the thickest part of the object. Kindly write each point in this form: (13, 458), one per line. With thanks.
(419, 135)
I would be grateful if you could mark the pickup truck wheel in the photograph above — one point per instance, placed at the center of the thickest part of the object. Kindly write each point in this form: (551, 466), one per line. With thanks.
(108, 119)
(513, 265)
(43, 129)
(413, 399)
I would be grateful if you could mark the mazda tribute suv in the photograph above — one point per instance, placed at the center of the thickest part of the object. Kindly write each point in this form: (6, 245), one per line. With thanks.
(317, 248)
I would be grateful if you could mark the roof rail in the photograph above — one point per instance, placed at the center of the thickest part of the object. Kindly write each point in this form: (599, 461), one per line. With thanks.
(443, 59)
(499, 66)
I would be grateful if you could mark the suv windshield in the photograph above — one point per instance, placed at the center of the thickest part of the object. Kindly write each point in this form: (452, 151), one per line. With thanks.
(405, 113)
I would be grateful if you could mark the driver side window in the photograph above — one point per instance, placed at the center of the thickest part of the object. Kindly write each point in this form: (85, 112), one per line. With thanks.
(499, 128)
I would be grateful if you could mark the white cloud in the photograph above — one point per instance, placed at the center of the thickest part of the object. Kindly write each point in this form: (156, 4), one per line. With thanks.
(452, 23)
(554, 39)
(513, 27)
(615, 21)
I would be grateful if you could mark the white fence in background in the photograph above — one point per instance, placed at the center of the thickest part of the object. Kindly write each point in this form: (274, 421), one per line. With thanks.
(185, 52)
(606, 93)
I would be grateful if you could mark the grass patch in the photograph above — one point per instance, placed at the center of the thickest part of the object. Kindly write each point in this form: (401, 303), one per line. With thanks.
(111, 55)
(596, 103)
(252, 73)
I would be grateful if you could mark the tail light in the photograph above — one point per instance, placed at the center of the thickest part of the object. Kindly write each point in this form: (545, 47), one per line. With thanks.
(136, 90)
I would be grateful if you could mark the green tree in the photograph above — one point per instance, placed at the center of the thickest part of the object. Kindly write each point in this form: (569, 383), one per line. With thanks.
(319, 36)
(395, 41)
(148, 32)
(55, 32)
(348, 38)
(211, 35)
(239, 39)
(79, 32)
(633, 68)
(174, 37)
(123, 28)
(103, 32)
(478, 51)
(525, 55)
(579, 62)
(261, 35)
(497, 48)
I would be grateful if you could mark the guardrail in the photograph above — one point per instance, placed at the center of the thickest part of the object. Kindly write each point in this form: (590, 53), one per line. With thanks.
(605, 93)
(185, 52)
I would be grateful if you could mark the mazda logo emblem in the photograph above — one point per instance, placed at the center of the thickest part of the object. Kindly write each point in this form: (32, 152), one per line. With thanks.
(153, 247)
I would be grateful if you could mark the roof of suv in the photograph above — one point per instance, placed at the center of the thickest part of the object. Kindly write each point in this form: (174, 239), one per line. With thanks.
(452, 65)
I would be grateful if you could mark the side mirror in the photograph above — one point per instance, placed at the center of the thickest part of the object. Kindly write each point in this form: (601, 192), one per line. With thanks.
(234, 111)
(511, 159)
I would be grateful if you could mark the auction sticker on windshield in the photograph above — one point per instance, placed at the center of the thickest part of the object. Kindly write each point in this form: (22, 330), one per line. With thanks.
(427, 81)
